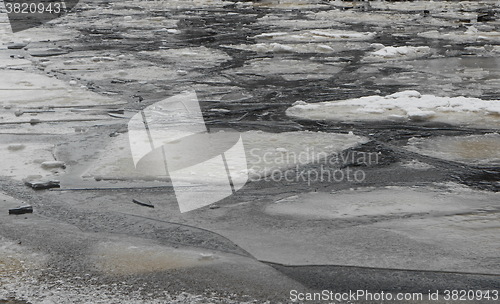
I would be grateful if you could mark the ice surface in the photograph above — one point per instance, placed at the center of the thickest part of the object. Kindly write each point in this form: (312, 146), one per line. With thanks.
(416, 165)
(265, 153)
(280, 21)
(290, 4)
(317, 35)
(472, 34)
(26, 161)
(398, 53)
(288, 69)
(322, 48)
(385, 201)
(194, 57)
(23, 89)
(453, 76)
(378, 19)
(445, 227)
(144, 73)
(471, 149)
(404, 106)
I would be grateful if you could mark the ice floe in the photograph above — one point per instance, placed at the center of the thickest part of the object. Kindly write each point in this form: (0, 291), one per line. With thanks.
(289, 69)
(317, 35)
(472, 34)
(322, 48)
(453, 76)
(398, 53)
(194, 57)
(290, 4)
(386, 201)
(266, 153)
(280, 21)
(470, 149)
(22, 89)
(404, 106)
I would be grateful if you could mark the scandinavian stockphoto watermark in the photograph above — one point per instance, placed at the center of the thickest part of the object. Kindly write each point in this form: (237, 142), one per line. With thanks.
(170, 140)
(311, 166)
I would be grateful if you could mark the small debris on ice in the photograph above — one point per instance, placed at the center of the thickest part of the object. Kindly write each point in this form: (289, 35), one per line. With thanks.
(52, 164)
(17, 45)
(206, 257)
(40, 185)
(21, 210)
(138, 202)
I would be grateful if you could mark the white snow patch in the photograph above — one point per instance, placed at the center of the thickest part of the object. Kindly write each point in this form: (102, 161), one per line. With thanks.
(317, 35)
(398, 53)
(324, 48)
(472, 34)
(409, 105)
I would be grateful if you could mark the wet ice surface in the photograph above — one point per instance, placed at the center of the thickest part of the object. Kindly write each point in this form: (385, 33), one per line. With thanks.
(473, 149)
(265, 153)
(251, 64)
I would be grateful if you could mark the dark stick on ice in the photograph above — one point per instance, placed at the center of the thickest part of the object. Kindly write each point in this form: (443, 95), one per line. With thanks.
(21, 210)
(143, 203)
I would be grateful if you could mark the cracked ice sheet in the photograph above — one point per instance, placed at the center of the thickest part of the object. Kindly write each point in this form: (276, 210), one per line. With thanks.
(59, 121)
(470, 76)
(289, 69)
(456, 229)
(143, 73)
(265, 153)
(54, 33)
(316, 35)
(323, 48)
(439, 6)
(377, 19)
(472, 34)
(471, 149)
(130, 21)
(90, 61)
(404, 106)
(22, 89)
(487, 50)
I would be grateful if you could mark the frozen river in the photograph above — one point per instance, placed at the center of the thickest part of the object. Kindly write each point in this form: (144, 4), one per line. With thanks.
(370, 134)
